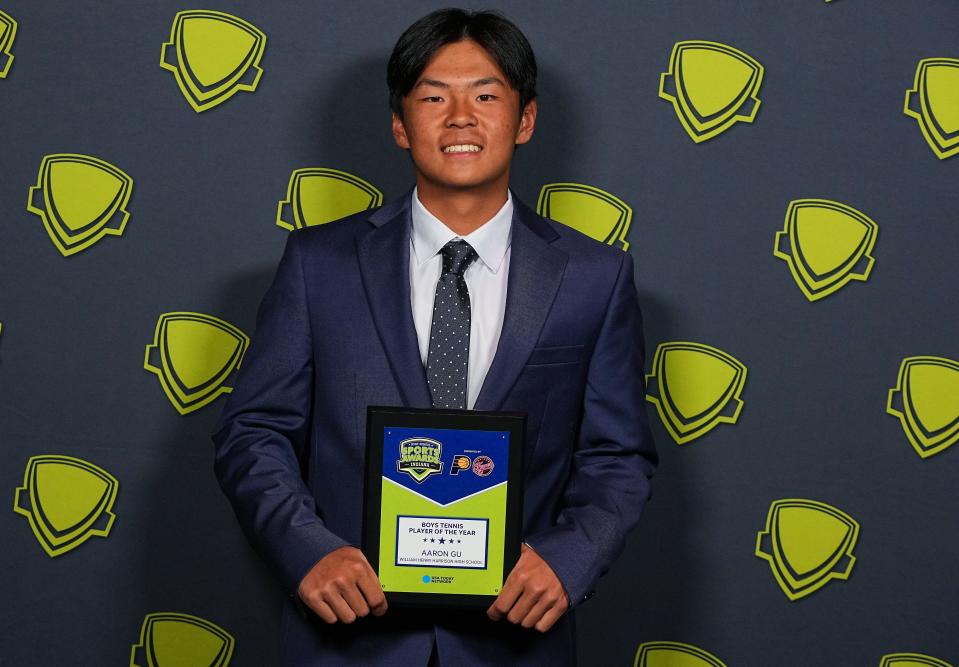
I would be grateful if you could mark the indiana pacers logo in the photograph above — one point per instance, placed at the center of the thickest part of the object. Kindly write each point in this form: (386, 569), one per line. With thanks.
(695, 388)
(8, 32)
(589, 210)
(194, 355)
(213, 56)
(168, 638)
(712, 86)
(826, 244)
(926, 401)
(934, 102)
(420, 458)
(66, 500)
(317, 195)
(912, 660)
(807, 544)
(80, 199)
(674, 654)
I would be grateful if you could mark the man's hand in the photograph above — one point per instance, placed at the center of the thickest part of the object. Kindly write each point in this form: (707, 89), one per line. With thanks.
(342, 587)
(532, 595)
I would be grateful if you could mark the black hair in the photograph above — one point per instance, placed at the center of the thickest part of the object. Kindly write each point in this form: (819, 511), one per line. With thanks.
(505, 43)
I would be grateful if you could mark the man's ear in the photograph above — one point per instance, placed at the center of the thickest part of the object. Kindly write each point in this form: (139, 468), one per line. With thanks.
(527, 123)
(399, 132)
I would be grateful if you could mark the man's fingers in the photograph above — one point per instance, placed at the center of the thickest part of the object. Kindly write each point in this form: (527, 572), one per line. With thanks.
(372, 590)
(323, 610)
(512, 589)
(537, 611)
(340, 607)
(356, 600)
(551, 616)
(525, 604)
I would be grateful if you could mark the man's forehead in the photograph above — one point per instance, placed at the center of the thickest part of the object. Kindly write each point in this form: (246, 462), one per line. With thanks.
(463, 62)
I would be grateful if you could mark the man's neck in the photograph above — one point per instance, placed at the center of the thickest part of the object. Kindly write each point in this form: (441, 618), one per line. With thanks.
(462, 211)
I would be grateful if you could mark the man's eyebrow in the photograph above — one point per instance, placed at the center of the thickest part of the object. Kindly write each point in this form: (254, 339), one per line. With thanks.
(431, 82)
(485, 81)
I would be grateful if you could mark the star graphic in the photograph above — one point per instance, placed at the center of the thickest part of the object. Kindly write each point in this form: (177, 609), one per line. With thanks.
(442, 541)
(432, 540)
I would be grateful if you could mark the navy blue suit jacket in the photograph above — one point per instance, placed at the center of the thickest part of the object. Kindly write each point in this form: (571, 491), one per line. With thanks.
(335, 333)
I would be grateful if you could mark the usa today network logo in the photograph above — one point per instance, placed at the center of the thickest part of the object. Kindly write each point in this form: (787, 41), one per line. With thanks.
(427, 579)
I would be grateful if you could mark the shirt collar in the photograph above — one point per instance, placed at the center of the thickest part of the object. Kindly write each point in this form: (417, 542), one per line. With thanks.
(490, 240)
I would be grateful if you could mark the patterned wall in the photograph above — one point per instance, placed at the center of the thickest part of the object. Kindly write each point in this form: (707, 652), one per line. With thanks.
(780, 171)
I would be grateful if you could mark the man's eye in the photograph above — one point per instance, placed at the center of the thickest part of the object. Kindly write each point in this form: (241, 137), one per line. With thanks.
(433, 99)
(486, 97)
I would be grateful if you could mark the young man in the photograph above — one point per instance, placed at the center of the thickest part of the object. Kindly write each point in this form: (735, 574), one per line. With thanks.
(538, 317)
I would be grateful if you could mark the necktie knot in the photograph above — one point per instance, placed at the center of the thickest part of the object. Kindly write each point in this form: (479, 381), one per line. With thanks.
(457, 256)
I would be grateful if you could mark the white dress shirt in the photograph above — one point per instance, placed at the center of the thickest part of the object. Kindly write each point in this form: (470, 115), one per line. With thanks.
(485, 280)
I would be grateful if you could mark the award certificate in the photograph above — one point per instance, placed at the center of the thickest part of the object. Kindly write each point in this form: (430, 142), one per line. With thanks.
(443, 503)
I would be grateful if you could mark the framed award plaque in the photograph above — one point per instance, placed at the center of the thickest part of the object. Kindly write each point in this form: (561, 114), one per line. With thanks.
(443, 503)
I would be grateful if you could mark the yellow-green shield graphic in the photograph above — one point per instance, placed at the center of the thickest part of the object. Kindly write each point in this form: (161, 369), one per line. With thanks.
(194, 355)
(66, 500)
(826, 244)
(934, 102)
(911, 660)
(674, 654)
(807, 543)
(712, 86)
(695, 388)
(8, 32)
(592, 211)
(926, 401)
(180, 640)
(80, 199)
(213, 55)
(317, 195)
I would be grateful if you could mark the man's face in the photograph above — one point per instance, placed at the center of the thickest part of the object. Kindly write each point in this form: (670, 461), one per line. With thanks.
(461, 121)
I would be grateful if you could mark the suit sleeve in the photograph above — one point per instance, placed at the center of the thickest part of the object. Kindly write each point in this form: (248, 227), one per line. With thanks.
(262, 438)
(614, 458)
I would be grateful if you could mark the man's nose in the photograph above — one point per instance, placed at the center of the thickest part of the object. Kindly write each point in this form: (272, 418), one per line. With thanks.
(460, 112)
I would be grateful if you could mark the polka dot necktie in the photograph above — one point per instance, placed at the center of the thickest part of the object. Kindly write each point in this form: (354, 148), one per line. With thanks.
(448, 357)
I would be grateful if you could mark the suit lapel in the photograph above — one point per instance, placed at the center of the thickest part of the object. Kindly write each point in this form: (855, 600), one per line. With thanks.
(535, 272)
(384, 257)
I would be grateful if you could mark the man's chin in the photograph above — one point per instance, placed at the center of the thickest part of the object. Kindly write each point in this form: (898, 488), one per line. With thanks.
(461, 185)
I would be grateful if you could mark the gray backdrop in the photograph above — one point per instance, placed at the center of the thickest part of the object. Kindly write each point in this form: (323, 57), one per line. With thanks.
(201, 237)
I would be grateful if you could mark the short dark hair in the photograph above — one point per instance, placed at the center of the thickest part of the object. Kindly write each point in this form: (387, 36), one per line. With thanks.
(499, 36)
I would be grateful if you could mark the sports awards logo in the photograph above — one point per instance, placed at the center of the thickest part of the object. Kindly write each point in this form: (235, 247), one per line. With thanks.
(168, 638)
(317, 195)
(712, 86)
(926, 401)
(80, 199)
(807, 544)
(669, 654)
(420, 458)
(589, 210)
(826, 244)
(695, 388)
(8, 32)
(213, 56)
(66, 500)
(193, 355)
(934, 102)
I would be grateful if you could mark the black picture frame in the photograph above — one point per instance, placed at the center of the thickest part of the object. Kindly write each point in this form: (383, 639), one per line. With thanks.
(378, 418)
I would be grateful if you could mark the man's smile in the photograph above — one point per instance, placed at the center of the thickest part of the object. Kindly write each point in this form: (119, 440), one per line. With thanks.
(462, 148)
